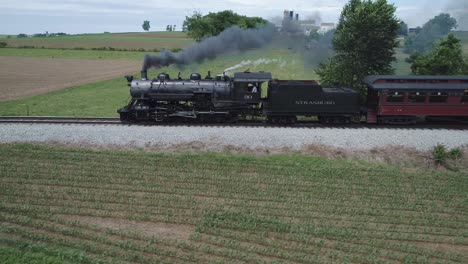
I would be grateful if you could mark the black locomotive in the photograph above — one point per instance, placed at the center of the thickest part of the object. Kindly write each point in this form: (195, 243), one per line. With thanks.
(225, 99)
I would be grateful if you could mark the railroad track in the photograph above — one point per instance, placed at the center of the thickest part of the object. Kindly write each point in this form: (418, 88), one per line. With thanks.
(59, 120)
(248, 123)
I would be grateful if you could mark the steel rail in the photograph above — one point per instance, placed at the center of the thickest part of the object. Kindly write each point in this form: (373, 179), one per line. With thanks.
(248, 123)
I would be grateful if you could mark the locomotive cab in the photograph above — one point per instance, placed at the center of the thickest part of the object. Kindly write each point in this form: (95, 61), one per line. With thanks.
(248, 86)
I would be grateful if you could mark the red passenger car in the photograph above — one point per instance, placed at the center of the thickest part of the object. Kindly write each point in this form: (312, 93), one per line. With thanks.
(393, 99)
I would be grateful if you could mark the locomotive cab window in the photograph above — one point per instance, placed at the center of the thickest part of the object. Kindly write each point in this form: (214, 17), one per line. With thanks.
(464, 98)
(396, 97)
(417, 97)
(438, 97)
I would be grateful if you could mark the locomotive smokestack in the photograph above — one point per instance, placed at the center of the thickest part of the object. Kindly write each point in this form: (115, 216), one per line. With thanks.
(291, 15)
(144, 75)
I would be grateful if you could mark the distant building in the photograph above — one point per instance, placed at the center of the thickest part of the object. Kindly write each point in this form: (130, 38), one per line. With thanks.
(414, 30)
(325, 27)
(308, 26)
(292, 21)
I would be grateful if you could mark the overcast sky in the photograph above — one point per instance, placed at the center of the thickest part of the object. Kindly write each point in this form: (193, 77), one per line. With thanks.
(88, 16)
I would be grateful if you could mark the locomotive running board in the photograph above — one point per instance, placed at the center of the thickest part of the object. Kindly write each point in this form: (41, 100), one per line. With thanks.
(194, 114)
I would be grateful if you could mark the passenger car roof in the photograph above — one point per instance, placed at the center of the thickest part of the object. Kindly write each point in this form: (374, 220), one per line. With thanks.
(416, 82)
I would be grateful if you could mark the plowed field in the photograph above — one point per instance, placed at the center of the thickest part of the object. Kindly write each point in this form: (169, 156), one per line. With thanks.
(31, 76)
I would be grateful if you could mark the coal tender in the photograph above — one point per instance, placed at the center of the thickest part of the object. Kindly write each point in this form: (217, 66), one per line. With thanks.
(288, 99)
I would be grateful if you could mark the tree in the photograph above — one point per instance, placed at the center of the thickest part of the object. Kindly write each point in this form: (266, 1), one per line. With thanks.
(173, 27)
(169, 28)
(364, 43)
(403, 29)
(432, 30)
(199, 26)
(146, 25)
(445, 59)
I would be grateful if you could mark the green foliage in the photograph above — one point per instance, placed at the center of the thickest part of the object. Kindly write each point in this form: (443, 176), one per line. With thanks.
(22, 35)
(445, 59)
(441, 154)
(171, 28)
(146, 25)
(455, 153)
(403, 31)
(364, 42)
(3, 44)
(425, 37)
(198, 26)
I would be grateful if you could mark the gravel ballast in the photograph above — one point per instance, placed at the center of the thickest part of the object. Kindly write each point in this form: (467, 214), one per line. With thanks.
(217, 138)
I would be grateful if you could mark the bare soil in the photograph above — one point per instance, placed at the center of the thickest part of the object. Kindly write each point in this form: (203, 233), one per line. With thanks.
(161, 230)
(32, 76)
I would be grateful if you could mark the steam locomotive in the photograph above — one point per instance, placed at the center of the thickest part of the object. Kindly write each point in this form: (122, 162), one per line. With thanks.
(391, 99)
(225, 99)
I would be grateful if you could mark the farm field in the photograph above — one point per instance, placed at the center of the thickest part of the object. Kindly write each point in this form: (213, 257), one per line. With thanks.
(72, 54)
(71, 205)
(144, 40)
(103, 98)
(31, 76)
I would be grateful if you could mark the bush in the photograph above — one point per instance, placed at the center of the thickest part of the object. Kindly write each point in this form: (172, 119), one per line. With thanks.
(455, 154)
(3, 44)
(176, 49)
(22, 35)
(439, 154)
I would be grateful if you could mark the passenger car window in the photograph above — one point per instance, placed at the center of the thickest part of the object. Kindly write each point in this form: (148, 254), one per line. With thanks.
(464, 98)
(438, 97)
(396, 97)
(417, 97)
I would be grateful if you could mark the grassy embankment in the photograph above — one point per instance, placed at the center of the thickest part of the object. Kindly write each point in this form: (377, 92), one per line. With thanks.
(77, 205)
(103, 98)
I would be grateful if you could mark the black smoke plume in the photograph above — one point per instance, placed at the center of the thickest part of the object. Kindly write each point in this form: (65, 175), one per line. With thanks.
(230, 40)
(459, 9)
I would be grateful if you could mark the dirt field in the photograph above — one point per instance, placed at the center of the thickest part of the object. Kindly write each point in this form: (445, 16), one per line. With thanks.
(31, 76)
